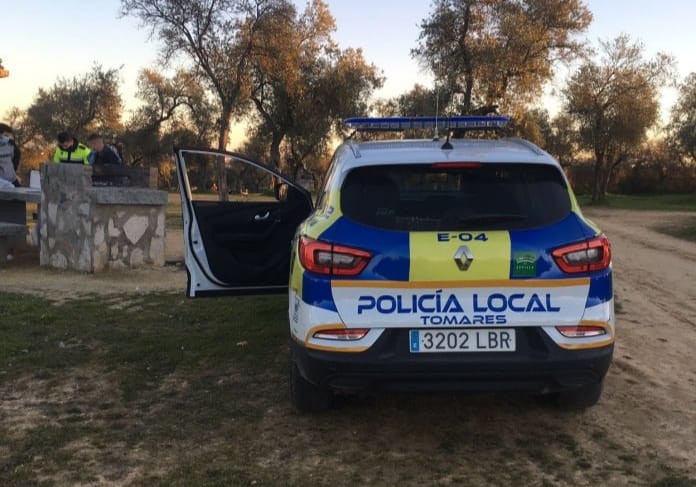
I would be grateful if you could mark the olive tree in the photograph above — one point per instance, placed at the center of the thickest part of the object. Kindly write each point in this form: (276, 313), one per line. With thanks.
(614, 101)
(682, 127)
(498, 52)
(303, 83)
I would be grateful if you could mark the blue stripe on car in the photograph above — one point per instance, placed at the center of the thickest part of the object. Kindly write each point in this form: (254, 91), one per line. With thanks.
(600, 288)
(390, 249)
(543, 240)
(316, 291)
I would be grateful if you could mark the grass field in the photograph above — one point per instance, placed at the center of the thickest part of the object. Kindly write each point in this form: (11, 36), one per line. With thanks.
(667, 202)
(162, 390)
(686, 229)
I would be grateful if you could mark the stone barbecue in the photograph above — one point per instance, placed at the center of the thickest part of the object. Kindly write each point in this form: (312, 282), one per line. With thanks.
(93, 228)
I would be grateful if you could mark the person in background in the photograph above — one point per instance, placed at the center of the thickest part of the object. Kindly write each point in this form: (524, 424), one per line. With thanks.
(9, 160)
(69, 150)
(102, 153)
(9, 156)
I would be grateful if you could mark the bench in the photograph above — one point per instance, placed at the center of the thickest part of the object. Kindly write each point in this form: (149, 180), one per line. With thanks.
(13, 216)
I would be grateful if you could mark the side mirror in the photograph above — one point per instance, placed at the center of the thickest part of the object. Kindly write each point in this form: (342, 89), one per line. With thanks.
(281, 191)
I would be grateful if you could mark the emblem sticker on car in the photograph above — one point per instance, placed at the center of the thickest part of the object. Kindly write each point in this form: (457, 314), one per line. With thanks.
(524, 264)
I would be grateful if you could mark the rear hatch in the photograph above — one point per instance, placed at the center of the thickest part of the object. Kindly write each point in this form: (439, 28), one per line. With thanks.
(465, 240)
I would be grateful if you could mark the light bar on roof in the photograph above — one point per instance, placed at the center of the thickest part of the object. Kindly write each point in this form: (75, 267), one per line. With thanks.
(398, 124)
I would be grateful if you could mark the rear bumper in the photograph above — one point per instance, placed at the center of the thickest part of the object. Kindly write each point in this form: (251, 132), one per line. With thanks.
(538, 365)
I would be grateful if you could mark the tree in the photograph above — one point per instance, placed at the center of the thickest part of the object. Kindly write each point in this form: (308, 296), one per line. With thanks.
(303, 84)
(682, 127)
(27, 136)
(562, 140)
(498, 52)
(25, 130)
(84, 103)
(217, 37)
(175, 111)
(614, 101)
(419, 101)
(533, 125)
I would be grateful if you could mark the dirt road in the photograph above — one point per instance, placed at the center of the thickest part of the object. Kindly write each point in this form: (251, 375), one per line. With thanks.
(643, 432)
(25, 276)
(650, 394)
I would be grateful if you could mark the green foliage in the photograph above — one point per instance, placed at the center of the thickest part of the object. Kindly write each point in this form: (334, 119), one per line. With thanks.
(303, 84)
(614, 101)
(259, 53)
(682, 128)
(417, 102)
(498, 52)
(82, 104)
(79, 105)
(215, 37)
(176, 111)
(655, 202)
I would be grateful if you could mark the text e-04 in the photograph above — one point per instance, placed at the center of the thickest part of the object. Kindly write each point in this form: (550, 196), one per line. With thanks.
(462, 237)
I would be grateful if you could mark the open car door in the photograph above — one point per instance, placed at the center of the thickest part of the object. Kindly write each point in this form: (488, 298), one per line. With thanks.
(237, 239)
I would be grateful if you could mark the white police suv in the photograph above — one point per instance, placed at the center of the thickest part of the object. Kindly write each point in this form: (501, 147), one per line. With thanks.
(463, 265)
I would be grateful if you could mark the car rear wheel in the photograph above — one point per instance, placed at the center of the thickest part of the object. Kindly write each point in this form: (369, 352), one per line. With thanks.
(580, 398)
(307, 397)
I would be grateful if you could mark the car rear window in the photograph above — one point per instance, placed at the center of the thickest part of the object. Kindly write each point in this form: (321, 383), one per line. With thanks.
(434, 197)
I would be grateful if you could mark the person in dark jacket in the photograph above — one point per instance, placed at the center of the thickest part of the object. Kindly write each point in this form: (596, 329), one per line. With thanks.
(102, 153)
(9, 155)
(70, 151)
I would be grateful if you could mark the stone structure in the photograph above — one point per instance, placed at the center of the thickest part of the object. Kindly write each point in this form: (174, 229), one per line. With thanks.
(90, 229)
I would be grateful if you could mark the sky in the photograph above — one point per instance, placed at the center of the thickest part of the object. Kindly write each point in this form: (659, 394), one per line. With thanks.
(46, 39)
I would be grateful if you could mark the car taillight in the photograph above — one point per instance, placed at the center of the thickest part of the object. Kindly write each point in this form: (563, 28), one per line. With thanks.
(342, 334)
(593, 255)
(331, 260)
(581, 331)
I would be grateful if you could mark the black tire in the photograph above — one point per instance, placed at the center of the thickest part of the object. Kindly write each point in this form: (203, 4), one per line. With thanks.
(581, 398)
(305, 396)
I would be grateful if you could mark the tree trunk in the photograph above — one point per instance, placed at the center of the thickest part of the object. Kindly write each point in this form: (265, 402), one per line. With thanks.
(606, 181)
(275, 149)
(597, 178)
(467, 95)
(223, 140)
(611, 164)
(467, 60)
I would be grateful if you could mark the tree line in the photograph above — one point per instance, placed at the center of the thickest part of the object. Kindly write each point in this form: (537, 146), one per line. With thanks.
(279, 69)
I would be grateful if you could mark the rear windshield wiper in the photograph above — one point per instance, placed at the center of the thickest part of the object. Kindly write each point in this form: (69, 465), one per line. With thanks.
(492, 218)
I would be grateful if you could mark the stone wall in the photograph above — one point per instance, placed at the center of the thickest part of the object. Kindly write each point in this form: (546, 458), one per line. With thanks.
(90, 229)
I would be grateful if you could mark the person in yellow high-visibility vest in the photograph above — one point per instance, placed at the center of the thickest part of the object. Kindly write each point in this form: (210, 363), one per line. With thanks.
(69, 150)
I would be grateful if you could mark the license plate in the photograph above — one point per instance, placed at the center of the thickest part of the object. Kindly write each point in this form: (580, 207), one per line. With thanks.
(471, 340)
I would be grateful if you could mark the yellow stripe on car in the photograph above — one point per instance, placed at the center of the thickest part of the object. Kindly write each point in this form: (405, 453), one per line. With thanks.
(427, 263)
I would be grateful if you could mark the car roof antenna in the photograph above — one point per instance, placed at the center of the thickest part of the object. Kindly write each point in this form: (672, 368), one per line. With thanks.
(436, 136)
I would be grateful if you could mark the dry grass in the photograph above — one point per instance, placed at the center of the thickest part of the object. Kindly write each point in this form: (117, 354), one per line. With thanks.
(160, 390)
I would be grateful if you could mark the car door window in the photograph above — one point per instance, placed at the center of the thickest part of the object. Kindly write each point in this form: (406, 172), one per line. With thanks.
(242, 216)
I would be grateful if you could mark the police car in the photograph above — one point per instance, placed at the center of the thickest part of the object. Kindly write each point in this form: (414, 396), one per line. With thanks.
(425, 265)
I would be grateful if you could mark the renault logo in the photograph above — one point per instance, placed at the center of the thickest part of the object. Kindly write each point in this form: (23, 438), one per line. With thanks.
(463, 258)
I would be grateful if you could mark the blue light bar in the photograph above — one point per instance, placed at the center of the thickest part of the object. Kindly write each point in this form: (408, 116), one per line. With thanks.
(398, 124)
